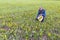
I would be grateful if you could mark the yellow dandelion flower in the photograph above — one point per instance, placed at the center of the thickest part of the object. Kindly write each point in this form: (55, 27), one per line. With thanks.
(1, 16)
(5, 36)
(9, 24)
(49, 34)
(3, 23)
(41, 33)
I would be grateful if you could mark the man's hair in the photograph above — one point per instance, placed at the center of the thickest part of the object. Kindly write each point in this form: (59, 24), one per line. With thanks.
(40, 8)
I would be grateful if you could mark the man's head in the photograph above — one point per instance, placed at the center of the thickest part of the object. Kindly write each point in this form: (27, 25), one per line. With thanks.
(40, 8)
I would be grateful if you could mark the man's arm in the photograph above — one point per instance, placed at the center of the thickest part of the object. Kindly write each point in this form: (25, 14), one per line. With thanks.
(44, 13)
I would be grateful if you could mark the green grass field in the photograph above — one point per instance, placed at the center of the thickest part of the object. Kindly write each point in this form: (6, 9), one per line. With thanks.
(17, 20)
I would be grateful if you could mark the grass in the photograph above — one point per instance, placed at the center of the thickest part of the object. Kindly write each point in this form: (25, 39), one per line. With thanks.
(17, 20)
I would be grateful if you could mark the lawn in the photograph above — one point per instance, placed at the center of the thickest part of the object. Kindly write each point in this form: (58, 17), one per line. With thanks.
(17, 20)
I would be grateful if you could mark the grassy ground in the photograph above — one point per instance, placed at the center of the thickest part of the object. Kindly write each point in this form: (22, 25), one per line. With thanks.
(17, 20)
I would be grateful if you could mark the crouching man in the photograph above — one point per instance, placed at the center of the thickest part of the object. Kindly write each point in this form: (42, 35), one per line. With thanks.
(41, 14)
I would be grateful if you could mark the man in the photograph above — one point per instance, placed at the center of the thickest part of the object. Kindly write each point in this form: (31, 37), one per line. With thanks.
(41, 12)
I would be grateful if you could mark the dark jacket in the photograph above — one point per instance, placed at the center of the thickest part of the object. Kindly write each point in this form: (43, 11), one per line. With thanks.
(41, 12)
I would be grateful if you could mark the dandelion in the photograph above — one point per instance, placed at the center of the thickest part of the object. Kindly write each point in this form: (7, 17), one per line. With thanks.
(9, 24)
(41, 31)
(3, 23)
(5, 37)
(1, 16)
(49, 34)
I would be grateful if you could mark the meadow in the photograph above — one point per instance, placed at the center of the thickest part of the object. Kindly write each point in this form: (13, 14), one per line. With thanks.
(17, 20)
